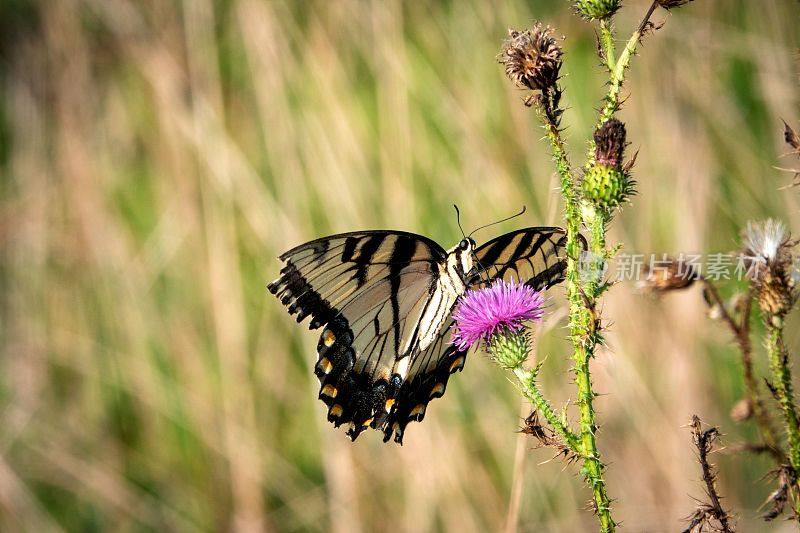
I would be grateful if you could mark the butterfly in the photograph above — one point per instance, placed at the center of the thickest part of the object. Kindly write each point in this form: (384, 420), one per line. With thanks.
(384, 300)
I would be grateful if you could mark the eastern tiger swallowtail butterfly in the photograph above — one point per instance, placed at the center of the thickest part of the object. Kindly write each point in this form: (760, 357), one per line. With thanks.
(384, 298)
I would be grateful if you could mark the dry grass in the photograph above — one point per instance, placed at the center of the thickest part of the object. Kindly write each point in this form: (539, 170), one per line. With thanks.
(157, 156)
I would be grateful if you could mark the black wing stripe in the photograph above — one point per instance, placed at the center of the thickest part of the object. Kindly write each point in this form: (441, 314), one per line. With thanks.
(412, 400)
(496, 248)
(549, 277)
(403, 251)
(365, 253)
(436, 251)
(523, 251)
(349, 250)
(316, 253)
(523, 245)
(535, 256)
(345, 292)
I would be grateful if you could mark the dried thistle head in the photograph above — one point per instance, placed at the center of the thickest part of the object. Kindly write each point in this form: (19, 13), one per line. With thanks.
(770, 265)
(669, 4)
(786, 479)
(671, 275)
(609, 140)
(532, 58)
(547, 437)
(597, 9)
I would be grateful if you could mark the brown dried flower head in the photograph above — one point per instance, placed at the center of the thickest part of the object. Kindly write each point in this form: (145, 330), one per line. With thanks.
(669, 4)
(769, 260)
(669, 275)
(609, 140)
(532, 58)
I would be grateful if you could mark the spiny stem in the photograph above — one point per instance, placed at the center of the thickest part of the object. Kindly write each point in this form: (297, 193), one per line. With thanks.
(607, 43)
(581, 320)
(571, 207)
(527, 380)
(620, 66)
(782, 382)
(588, 326)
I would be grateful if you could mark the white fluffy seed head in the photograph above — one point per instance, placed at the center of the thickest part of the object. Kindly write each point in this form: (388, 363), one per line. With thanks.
(764, 239)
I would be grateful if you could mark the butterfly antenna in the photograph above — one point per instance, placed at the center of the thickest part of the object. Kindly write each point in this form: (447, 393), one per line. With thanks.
(458, 220)
(497, 222)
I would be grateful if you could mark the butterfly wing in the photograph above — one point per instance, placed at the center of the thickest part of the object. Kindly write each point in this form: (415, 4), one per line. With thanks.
(427, 379)
(534, 256)
(368, 290)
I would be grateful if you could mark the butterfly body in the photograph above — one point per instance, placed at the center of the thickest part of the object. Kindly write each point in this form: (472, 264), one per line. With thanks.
(384, 300)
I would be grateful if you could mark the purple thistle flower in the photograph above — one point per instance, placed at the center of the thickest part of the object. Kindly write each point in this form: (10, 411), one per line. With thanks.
(502, 306)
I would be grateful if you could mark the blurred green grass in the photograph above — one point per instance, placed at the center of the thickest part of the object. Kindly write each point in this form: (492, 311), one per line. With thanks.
(157, 156)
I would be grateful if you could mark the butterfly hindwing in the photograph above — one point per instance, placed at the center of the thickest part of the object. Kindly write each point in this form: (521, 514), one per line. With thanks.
(427, 380)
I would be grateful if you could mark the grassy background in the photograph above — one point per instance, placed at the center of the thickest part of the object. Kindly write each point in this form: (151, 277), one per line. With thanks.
(155, 158)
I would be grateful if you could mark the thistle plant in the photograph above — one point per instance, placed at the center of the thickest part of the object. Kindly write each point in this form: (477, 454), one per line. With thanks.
(709, 515)
(532, 60)
(768, 256)
(768, 248)
(496, 318)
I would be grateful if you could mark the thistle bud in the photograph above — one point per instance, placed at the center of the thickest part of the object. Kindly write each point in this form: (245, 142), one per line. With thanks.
(669, 4)
(606, 187)
(597, 9)
(508, 348)
(606, 184)
(532, 58)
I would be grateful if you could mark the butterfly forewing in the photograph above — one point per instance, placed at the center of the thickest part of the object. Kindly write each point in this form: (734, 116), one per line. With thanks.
(534, 256)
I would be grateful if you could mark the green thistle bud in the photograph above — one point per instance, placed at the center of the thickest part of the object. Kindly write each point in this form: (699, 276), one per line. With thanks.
(606, 187)
(509, 349)
(597, 9)
(606, 183)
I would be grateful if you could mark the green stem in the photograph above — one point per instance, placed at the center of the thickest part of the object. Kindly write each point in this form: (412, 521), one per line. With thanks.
(571, 207)
(587, 334)
(527, 379)
(607, 43)
(782, 381)
(597, 247)
(581, 320)
(620, 66)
